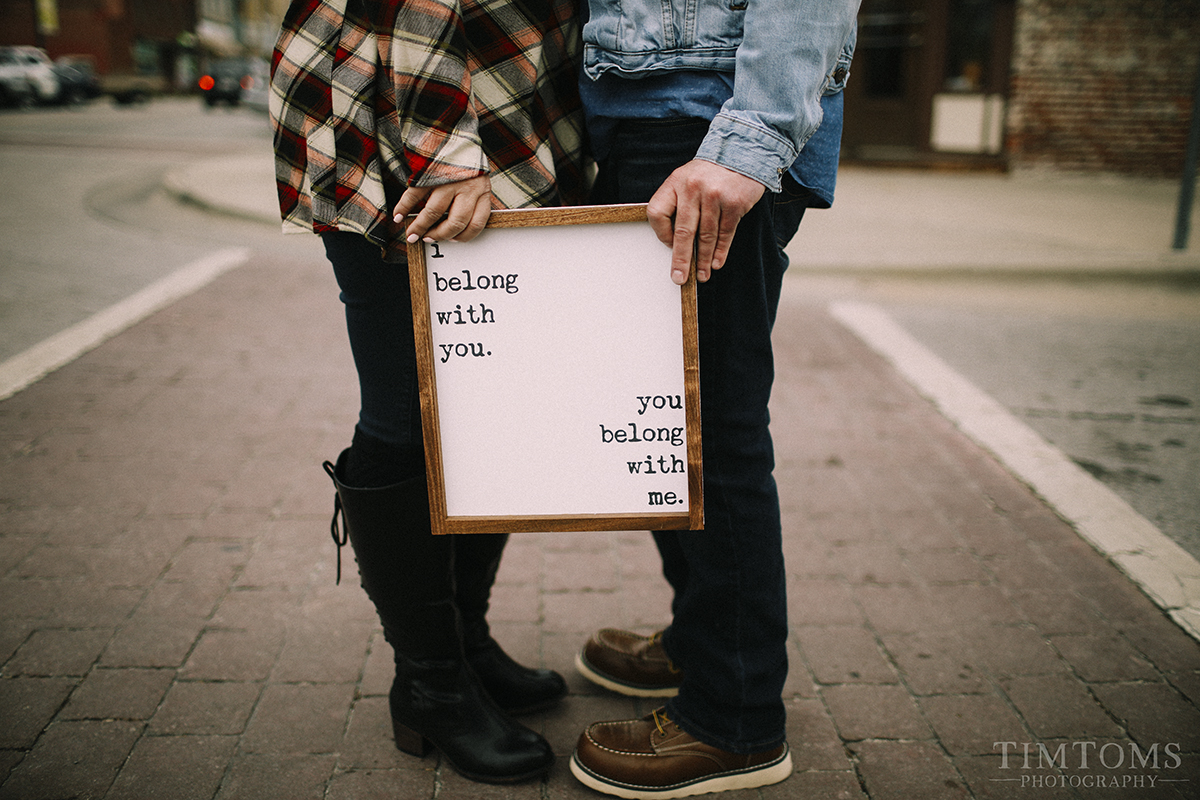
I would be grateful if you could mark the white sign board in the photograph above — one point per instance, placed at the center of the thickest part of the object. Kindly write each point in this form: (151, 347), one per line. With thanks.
(559, 378)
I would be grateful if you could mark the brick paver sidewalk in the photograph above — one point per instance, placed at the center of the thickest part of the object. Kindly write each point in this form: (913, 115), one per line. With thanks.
(171, 629)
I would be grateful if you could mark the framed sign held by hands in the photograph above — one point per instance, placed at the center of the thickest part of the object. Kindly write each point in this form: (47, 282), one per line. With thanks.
(559, 376)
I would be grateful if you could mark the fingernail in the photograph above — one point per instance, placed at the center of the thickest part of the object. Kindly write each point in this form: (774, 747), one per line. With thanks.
(412, 239)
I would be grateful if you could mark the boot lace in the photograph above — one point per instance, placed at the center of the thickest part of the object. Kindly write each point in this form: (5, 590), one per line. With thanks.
(340, 537)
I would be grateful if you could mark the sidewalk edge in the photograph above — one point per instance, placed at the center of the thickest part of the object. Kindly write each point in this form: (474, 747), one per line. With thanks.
(226, 186)
(1181, 271)
(1167, 573)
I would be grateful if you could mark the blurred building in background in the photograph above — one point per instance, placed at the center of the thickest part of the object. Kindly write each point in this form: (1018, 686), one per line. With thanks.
(239, 27)
(143, 47)
(1094, 85)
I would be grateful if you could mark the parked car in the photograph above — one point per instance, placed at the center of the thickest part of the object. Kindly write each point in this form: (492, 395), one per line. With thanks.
(26, 76)
(233, 80)
(77, 79)
(14, 87)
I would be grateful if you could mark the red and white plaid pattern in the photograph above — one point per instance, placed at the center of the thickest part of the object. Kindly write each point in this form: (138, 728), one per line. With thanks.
(368, 96)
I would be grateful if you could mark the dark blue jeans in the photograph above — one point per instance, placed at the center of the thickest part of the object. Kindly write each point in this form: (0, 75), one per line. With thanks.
(729, 628)
(379, 322)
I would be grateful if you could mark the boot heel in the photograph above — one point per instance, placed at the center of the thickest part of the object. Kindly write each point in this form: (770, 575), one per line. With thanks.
(408, 740)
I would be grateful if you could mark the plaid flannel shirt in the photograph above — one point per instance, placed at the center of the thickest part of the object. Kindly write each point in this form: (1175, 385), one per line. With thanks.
(368, 96)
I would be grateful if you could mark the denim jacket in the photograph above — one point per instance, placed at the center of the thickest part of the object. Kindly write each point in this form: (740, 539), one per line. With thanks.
(786, 55)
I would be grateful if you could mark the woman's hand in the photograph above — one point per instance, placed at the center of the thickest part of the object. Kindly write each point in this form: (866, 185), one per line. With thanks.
(456, 211)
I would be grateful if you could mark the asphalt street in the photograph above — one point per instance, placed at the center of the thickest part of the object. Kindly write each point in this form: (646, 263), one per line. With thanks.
(86, 220)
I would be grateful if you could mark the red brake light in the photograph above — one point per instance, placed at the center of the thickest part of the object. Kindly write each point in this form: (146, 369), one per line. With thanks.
(207, 82)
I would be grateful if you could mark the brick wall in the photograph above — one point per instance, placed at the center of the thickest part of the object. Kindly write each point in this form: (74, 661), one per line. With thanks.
(1103, 85)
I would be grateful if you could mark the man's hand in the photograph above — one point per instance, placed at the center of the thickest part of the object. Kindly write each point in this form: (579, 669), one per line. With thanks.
(455, 211)
(697, 209)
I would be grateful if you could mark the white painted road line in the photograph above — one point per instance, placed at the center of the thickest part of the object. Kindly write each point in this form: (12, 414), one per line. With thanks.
(1163, 569)
(64, 347)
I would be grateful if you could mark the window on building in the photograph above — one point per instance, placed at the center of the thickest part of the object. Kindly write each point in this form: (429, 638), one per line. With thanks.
(889, 31)
(969, 45)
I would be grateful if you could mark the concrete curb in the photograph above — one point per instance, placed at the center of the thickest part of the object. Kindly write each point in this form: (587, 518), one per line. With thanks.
(239, 186)
(1167, 573)
(890, 224)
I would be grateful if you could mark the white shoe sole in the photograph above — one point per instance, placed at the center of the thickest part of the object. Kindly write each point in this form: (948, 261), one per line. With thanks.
(621, 688)
(749, 779)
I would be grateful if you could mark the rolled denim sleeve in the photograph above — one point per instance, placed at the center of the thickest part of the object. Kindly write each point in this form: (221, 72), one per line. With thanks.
(790, 55)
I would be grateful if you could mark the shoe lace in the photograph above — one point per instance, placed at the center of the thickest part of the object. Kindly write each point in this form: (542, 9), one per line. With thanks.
(661, 719)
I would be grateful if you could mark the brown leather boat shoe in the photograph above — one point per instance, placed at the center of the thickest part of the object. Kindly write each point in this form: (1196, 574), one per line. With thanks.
(653, 757)
(629, 663)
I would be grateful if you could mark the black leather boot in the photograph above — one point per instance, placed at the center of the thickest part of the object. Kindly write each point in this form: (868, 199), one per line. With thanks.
(515, 688)
(436, 698)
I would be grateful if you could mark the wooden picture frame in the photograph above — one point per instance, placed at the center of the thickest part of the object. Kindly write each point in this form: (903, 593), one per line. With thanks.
(559, 376)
